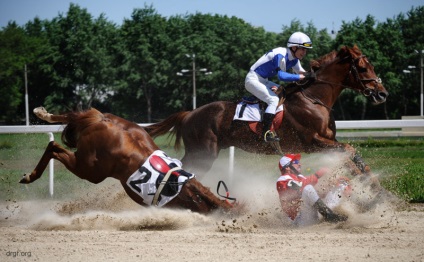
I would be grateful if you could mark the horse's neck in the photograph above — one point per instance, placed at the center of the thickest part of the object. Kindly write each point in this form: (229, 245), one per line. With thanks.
(324, 92)
(334, 72)
(329, 84)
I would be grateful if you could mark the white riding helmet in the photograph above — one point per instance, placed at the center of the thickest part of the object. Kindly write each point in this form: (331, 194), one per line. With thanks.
(299, 39)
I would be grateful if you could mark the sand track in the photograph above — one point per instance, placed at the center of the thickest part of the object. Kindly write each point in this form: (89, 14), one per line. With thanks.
(119, 230)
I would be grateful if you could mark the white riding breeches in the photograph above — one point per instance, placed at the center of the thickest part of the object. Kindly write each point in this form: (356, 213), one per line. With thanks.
(261, 88)
(308, 215)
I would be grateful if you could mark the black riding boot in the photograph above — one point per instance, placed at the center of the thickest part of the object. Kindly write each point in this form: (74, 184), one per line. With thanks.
(266, 132)
(327, 213)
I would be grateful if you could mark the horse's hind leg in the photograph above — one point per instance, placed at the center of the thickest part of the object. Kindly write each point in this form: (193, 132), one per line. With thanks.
(55, 151)
(198, 198)
(42, 113)
(198, 163)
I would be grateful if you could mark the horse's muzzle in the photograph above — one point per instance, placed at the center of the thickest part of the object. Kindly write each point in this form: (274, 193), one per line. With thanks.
(379, 97)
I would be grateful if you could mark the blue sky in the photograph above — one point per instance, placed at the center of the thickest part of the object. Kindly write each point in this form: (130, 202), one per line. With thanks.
(270, 14)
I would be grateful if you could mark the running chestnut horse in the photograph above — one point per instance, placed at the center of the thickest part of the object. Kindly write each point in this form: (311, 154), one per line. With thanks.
(109, 146)
(308, 124)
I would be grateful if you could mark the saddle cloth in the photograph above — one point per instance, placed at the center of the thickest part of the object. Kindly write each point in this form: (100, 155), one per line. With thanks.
(250, 112)
(146, 179)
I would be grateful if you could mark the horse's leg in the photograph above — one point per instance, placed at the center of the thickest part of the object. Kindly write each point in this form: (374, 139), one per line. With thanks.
(200, 152)
(41, 113)
(135, 197)
(198, 163)
(55, 151)
(355, 163)
(198, 198)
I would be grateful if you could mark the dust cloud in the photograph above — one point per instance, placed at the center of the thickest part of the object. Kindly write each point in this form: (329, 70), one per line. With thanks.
(107, 207)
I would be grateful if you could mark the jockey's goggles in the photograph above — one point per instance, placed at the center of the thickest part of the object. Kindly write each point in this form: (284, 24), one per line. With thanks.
(304, 45)
(295, 162)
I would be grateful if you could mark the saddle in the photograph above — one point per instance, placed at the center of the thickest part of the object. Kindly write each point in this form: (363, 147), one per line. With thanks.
(251, 109)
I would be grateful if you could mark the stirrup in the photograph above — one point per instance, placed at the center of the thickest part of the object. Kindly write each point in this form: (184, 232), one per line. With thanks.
(270, 136)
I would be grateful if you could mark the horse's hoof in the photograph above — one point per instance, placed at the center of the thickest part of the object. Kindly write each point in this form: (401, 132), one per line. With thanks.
(367, 170)
(25, 179)
(42, 113)
(39, 110)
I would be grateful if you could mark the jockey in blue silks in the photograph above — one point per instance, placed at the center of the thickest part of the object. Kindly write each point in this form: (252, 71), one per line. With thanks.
(277, 62)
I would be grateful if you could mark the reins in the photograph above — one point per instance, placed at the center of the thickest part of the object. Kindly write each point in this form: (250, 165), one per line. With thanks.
(227, 193)
(314, 100)
(366, 91)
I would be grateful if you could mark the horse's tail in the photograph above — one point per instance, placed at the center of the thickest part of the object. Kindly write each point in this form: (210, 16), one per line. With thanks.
(78, 121)
(172, 124)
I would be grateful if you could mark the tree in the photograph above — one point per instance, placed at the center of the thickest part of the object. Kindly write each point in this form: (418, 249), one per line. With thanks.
(391, 64)
(79, 60)
(412, 29)
(17, 49)
(225, 45)
(147, 43)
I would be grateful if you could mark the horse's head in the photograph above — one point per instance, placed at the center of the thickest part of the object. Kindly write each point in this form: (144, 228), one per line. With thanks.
(361, 76)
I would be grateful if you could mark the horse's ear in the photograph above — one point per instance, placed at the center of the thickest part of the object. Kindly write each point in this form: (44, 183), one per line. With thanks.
(356, 48)
(344, 52)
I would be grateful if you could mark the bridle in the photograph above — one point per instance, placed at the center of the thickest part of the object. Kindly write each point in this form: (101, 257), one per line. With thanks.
(366, 91)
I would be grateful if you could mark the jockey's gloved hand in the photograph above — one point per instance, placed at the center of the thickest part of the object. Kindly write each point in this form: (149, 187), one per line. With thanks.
(295, 185)
(310, 75)
(321, 172)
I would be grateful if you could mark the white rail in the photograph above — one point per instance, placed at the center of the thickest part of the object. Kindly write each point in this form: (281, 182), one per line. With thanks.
(379, 124)
(361, 124)
(36, 129)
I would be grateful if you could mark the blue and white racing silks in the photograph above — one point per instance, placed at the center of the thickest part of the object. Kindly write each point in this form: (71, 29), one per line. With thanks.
(277, 62)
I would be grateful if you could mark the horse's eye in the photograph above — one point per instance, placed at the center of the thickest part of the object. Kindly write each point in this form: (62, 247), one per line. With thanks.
(362, 70)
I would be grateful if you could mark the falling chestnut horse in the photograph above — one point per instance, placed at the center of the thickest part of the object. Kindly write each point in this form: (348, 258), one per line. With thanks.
(109, 146)
(308, 124)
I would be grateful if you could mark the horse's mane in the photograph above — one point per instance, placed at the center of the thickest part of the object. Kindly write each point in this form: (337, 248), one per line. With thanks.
(344, 52)
(324, 60)
(78, 121)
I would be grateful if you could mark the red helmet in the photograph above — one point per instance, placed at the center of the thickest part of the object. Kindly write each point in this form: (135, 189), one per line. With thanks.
(287, 159)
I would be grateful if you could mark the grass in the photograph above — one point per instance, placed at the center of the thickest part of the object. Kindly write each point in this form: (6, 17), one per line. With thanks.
(19, 154)
(399, 161)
